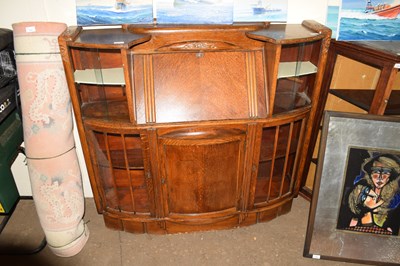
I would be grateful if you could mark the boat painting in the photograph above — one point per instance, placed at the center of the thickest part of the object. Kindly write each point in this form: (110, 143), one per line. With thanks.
(383, 10)
(263, 7)
(101, 12)
(121, 4)
(178, 3)
(332, 18)
(194, 11)
(260, 10)
(107, 12)
(361, 21)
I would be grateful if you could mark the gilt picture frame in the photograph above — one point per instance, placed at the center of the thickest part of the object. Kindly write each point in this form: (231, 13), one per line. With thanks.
(355, 207)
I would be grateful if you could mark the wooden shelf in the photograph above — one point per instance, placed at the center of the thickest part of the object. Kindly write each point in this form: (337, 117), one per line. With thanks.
(122, 167)
(106, 37)
(363, 99)
(108, 76)
(134, 157)
(287, 33)
(108, 110)
(277, 157)
(295, 69)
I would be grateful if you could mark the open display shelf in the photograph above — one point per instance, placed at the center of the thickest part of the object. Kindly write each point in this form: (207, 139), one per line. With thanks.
(363, 99)
(110, 76)
(294, 69)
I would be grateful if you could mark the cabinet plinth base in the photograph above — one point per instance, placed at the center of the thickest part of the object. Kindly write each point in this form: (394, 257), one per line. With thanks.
(172, 226)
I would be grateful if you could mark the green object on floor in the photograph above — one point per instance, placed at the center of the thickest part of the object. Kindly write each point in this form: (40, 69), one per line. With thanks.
(11, 137)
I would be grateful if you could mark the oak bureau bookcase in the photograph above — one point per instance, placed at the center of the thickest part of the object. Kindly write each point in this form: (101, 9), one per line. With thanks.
(194, 127)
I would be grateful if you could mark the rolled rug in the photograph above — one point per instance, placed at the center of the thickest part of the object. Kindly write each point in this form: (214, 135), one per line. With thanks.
(48, 136)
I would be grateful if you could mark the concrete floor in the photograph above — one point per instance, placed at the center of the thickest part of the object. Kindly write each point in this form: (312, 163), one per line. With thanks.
(278, 242)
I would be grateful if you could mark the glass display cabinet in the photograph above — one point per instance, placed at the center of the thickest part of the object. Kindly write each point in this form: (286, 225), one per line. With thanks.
(194, 127)
(361, 77)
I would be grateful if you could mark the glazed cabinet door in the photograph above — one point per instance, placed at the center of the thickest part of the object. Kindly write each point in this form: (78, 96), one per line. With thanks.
(280, 145)
(279, 153)
(201, 172)
(120, 165)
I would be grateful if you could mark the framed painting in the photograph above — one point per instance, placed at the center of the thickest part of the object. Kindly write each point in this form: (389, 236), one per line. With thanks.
(107, 12)
(355, 209)
(114, 12)
(260, 10)
(332, 16)
(369, 20)
(194, 11)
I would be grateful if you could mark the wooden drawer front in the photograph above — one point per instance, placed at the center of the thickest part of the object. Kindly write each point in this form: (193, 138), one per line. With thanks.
(119, 163)
(202, 171)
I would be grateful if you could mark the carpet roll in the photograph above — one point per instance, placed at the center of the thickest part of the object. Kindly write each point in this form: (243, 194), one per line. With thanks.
(53, 166)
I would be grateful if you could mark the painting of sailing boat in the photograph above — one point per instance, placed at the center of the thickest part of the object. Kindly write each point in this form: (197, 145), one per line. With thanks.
(100, 12)
(260, 10)
(194, 11)
(369, 20)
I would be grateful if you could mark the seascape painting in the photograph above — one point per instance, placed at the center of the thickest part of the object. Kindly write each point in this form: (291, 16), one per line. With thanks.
(108, 12)
(369, 20)
(105, 12)
(260, 10)
(194, 11)
(332, 18)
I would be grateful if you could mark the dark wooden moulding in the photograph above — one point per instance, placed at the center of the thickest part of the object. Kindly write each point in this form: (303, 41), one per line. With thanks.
(194, 127)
